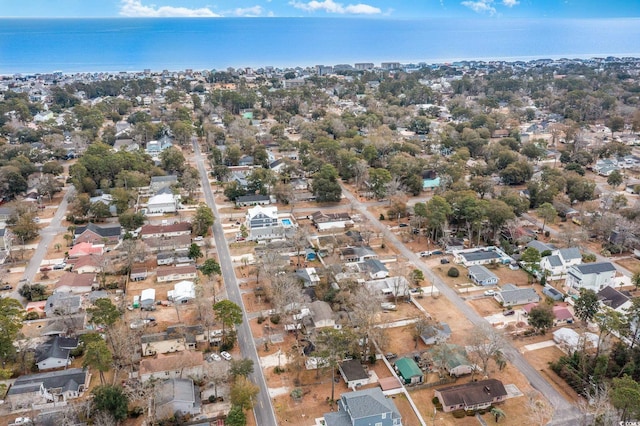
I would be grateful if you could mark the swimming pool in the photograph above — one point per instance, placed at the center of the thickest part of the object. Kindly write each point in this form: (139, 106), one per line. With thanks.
(286, 222)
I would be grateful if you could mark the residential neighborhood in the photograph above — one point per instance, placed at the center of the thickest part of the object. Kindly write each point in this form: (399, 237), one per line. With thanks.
(322, 246)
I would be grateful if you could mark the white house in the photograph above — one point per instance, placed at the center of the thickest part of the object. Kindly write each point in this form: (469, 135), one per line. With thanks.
(569, 339)
(182, 292)
(482, 276)
(170, 273)
(592, 276)
(262, 223)
(162, 203)
(614, 299)
(480, 256)
(148, 297)
(559, 261)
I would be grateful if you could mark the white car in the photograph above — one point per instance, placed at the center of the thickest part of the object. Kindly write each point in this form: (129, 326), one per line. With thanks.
(214, 357)
(226, 355)
(490, 293)
(425, 253)
(22, 421)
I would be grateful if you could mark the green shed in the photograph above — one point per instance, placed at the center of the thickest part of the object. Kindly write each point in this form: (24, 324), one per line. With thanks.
(409, 371)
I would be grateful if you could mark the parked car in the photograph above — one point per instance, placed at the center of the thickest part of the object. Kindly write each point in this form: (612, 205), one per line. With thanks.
(213, 357)
(403, 225)
(6, 287)
(508, 312)
(22, 421)
(390, 355)
(226, 355)
(425, 253)
(436, 252)
(444, 261)
(490, 293)
(59, 266)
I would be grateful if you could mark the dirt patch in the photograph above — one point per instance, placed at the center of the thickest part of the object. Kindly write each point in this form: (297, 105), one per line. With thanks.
(539, 359)
(630, 263)
(443, 310)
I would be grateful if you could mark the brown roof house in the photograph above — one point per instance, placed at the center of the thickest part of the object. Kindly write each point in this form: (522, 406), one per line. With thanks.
(71, 282)
(161, 244)
(471, 396)
(176, 338)
(178, 365)
(176, 273)
(165, 231)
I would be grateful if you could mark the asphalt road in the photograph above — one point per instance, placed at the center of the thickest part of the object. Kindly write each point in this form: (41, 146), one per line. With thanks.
(263, 409)
(565, 412)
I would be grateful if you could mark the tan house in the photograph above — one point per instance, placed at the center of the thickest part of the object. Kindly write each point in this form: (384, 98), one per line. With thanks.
(471, 396)
(176, 338)
(172, 366)
(160, 244)
(91, 264)
(176, 273)
(72, 282)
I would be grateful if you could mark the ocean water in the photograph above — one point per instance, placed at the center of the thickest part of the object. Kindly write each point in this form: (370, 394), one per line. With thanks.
(80, 45)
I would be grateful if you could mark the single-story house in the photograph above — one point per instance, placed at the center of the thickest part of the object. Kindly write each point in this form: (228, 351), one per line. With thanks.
(164, 244)
(482, 276)
(481, 256)
(308, 276)
(95, 234)
(471, 396)
(253, 200)
(324, 221)
(62, 304)
(176, 396)
(55, 353)
(47, 387)
(91, 264)
(353, 373)
(436, 333)
(176, 273)
(561, 314)
(357, 254)
(165, 231)
(452, 358)
(375, 269)
(182, 292)
(552, 293)
(175, 338)
(569, 340)
(391, 286)
(163, 203)
(161, 182)
(70, 282)
(510, 295)
(409, 371)
(320, 315)
(178, 365)
(86, 249)
(138, 273)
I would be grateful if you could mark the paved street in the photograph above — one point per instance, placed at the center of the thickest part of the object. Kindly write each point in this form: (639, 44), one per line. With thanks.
(263, 409)
(565, 412)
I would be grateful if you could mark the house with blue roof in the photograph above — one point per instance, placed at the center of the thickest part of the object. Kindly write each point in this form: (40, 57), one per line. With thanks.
(364, 408)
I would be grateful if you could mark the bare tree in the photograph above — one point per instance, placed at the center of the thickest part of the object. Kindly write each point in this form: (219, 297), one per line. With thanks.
(597, 403)
(216, 374)
(420, 325)
(365, 307)
(485, 343)
(124, 344)
(540, 411)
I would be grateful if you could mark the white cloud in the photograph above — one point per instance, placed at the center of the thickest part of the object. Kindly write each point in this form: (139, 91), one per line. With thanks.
(135, 8)
(510, 3)
(331, 6)
(249, 11)
(481, 6)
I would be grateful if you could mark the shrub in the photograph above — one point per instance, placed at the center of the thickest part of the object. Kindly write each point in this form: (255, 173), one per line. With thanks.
(261, 319)
(278, 370)
(470, 413)
(212, 398)
(296, 393)
(275, 319)
(381, 216)
(31, 316)
(136, 412)
(453, 272)
(459, 414)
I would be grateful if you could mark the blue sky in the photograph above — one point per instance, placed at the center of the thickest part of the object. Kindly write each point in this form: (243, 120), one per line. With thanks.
(321, 8)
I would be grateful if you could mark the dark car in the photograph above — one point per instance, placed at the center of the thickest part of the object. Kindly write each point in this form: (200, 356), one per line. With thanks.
(436, 252)
(390, 355)
(403, 225)
(444, 261)
(509, 312)
(6, 287)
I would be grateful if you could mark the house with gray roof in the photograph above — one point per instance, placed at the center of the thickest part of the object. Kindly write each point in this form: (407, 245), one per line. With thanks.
(162, 182)
(353, 373)
(555, 266)
(253, 200)
(62, 304)
(177, 395)
(48, 387)
(375, 269)
(471, 396)
(481, 256)
(511, 295)
(452, 359)
(364, 408)
(436, 333)
(357, 254)
(55, 353)
(482, 276)
(591, 276)
(614, 299)
(540, 246)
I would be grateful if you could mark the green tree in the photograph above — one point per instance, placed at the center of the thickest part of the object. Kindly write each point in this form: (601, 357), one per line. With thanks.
(104, 312)
(325, 184)
(172, 160)
(52, 168)
(98, 356)
(498, 414)
(625, 396)
(417, 276)
(210, 267)
(194, 252)
(378, 179)
(332, 345)
(99, 211)
(438, 211)
(24, 227)
(616, 124)
(615, 178)
(541, 318)
(241, 368)
(587, 305)
(202, 220)
(516, 173)
(11, 315)
(548, 214)
(131, 220)
(33, 292)
(111, 399)
(633, 318)
(228, 313)
(236, 417)
(243, 391)
(531, 257)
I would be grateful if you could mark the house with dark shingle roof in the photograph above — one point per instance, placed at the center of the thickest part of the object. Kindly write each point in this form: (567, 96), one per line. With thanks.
(96, 234)
(364, 408)
(472, 395)
(436, 333)
(253, 200)
(510, 295)
(42, 388)
(353, 373)
(55, 353)
(480, 256)
(614, 299)
(591, 276)
(375, 269)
